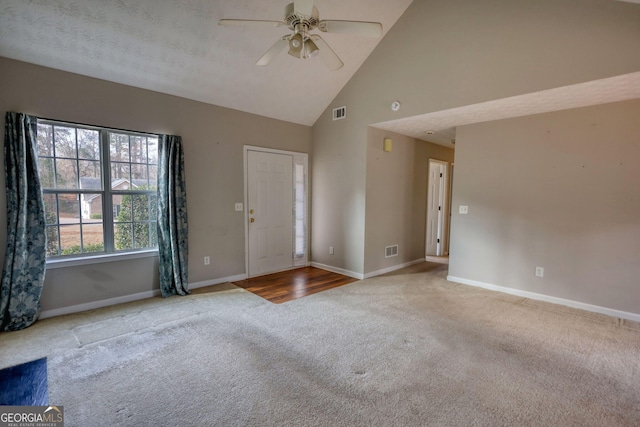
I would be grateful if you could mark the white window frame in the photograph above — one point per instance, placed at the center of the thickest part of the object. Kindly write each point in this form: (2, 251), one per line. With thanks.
(110, 254)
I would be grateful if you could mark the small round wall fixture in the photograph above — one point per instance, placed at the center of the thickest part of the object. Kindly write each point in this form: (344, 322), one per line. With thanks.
(395, 105)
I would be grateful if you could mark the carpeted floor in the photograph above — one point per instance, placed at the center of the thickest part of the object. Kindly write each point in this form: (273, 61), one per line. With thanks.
(404, 349)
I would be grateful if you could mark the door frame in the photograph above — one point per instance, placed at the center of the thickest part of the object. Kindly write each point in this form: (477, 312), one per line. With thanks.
(298, 158)
(444, 181)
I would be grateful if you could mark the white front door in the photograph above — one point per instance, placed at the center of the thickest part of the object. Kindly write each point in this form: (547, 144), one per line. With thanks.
(436, 205)
(270, 212)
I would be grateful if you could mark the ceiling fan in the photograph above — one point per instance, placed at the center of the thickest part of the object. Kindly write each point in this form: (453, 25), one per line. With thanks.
(302, 17)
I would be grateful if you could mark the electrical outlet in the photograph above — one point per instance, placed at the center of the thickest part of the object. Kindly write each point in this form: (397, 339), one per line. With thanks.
(239, 207)
(330, 250)
(539, 272)
(464, 210)
(207, 260)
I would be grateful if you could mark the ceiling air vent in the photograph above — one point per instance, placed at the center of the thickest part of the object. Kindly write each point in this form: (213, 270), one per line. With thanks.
(390, 251)
(339, 113)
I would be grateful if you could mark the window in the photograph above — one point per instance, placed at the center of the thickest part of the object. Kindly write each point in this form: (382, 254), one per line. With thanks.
(299, 210)
(99, 189)
(300, 227)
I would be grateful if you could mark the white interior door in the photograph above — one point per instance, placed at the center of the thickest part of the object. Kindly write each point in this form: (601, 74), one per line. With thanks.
(436, 208)
(270, 212)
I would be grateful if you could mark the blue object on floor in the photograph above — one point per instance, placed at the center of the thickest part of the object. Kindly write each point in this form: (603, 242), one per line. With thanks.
(25, 385)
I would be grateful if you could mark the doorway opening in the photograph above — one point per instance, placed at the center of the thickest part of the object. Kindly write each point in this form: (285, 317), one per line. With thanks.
(438, 209)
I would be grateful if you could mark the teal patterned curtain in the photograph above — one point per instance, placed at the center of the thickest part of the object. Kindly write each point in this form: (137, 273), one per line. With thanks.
(25, 259)
(172, 217)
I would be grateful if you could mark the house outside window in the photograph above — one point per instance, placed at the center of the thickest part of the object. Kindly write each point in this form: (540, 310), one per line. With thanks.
(99, 189)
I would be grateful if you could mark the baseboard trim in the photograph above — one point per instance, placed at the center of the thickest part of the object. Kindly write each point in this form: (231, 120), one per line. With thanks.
(219, 281)
(555, 300)
(98, 304)
(342, 271)
(129, 298)
(361, 276)
(393, 268)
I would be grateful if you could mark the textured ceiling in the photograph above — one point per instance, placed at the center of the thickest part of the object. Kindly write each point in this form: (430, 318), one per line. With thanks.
(443, 123)
(176, 47)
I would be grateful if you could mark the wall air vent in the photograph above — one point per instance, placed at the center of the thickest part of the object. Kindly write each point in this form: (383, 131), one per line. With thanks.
(391, 251)
(339, 113)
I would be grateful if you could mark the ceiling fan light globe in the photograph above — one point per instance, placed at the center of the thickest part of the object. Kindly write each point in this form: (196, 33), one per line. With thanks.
(310, 49)
(296, 53)
(296, 45)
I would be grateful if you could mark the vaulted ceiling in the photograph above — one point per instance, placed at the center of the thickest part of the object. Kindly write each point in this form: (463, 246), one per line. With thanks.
(177, 47)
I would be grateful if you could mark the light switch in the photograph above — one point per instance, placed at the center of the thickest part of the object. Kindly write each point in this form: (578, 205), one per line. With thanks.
(239, 207)
(463, 210)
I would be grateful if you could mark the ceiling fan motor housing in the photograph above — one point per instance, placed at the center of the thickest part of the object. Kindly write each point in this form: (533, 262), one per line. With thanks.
(293, 19)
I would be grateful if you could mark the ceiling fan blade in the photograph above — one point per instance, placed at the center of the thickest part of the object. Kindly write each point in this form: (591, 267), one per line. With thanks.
(303, 7)
(328, 56)
(273, 51)
(250, 22)
(360, 28)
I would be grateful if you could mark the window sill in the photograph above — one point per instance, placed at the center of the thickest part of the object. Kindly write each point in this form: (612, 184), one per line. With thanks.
(100, 259)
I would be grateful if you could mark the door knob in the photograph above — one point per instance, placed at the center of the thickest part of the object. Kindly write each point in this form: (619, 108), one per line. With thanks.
(251, 211)
(252, 220)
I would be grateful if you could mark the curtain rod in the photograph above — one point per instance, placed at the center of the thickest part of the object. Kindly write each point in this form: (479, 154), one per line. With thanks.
(46, 119)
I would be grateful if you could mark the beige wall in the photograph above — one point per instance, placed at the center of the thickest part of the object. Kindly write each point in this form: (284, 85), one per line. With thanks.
(558, 190)
(440, 54)
(449, 53)
(338, 194)
(396, 206)
(213, 139)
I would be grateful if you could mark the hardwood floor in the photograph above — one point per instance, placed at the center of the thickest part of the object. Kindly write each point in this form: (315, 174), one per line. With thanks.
(292, 284)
